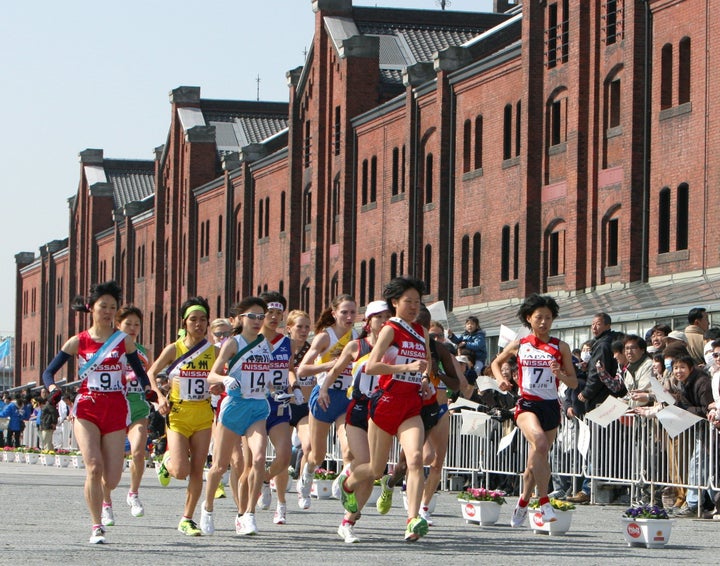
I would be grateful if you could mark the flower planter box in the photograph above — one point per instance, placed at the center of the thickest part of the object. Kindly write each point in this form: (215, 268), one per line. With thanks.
(559, 527)
(485, 513)
(77, 461)
(321, 489)
(31, 457)
(8, 456)
(19, 457)
(47, 459)
(650, 533)
(62, 460)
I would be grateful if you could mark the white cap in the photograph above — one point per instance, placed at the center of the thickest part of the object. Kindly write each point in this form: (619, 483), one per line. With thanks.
(463, 359)
(375, 307)
(677, 335)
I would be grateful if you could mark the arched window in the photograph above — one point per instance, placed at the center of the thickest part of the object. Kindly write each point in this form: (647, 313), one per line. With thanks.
(428, 178)
(307, 218)
(478, 142)
(507, 131)
(664, 221)
(393, 265)
(505, 254)
(364, 180)
(363, 282)
(428, 267)
(467, 145)
(373, 179)
(283, 206)
(476, 258)
(395, 171)
(371, 280)
(666, 71)
(684, 71)
(465, 262)
(683, 218)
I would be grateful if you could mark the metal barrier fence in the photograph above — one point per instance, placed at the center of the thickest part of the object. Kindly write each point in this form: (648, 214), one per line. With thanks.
(633, 451)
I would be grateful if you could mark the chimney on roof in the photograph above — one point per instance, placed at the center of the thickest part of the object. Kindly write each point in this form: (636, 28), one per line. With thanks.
(502, 6)
(335, 7)
(91, 156)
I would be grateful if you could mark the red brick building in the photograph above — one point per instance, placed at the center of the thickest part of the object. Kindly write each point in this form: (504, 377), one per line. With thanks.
(553, 146)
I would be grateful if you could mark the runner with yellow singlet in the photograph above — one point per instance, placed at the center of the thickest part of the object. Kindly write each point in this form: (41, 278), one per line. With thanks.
(328, 400)
(190, 416)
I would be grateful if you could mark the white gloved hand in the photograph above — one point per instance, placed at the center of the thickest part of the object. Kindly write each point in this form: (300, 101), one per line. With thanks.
(299, 399)
(230, 383)
(281, 396)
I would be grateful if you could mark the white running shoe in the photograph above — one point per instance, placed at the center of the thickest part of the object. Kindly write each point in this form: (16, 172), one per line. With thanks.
(305, 482)
(248, 526)
(519, 516)
(279, 518)
(265, 497)
(136, 508)
(424, 513)
(548, 514)
(335, 490)
(97, 536)
(303, 502)
(207, 525)
(107, 518)
(346, 531)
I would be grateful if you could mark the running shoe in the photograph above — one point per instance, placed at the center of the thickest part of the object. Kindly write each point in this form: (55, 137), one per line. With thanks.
(136, 508)
(279, 518)
(220, 491)
(305, 482)
(347, 497)
(265, 497)
(189, 527)
(303, 502)
(415, 529)
(162, 471)
(518, 516)
(248, 526)
(207, 525)
(107, 517)
(97, 536)
(346, 531)
(548, 514)
(424, 512)
(384, 502)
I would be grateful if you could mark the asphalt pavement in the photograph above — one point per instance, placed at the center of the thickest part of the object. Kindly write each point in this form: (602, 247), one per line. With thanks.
(45, 521)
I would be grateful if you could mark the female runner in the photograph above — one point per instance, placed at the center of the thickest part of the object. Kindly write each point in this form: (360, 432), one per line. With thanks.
(356, 418)
(400, 357)
(188, 362)
(298, 328)
(101, 408)
(542, 361)
(333, 331)
(248, 357)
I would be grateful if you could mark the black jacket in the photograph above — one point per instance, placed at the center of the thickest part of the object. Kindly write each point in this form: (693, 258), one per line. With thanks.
(697, 393)
(595, 391)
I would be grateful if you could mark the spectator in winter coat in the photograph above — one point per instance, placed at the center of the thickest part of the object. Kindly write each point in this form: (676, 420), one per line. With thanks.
(472, 339)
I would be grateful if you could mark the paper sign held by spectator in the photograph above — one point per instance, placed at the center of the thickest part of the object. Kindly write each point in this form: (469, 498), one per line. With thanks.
(676, 420)
(660, 393)
(611, 410)
(474, 423)
(506, 440)
(583, 439)
(506, 336)
(463, 404)
(485, 382)
(438, 312)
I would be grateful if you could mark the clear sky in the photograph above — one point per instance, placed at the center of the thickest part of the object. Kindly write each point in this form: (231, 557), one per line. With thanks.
(96, 74)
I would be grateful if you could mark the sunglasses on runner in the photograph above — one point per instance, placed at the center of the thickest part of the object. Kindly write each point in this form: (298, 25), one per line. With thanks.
(254, 315)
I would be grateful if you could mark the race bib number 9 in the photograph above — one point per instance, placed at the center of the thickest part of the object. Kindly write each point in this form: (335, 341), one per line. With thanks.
(105, 381)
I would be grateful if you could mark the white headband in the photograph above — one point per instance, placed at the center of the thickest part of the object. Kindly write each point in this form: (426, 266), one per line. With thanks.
(276, 306)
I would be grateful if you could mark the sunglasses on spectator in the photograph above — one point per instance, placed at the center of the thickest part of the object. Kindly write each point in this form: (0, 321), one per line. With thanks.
(254, 315)
(716, 354)
(224, 334)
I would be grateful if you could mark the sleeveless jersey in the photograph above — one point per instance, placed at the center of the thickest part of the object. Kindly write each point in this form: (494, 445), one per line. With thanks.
(189, 380)
(281, 352)
(407, 346)
(109, 375)
(362, 382)
(535, 380)
(133, 383)
(251, 369)
(344, 380)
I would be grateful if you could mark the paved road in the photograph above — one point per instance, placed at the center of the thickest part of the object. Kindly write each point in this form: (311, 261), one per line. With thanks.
(44, 520)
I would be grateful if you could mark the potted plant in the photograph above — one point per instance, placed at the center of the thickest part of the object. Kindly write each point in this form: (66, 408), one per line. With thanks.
(47, 457)
(32, 455)
(322, 484)
(646, 525)
(20, 454)
(62, 458)
(481, 506)
(8, 454)
(563, 511)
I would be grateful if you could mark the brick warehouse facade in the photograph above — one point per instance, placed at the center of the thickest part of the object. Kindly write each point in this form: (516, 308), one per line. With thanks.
(553, 146)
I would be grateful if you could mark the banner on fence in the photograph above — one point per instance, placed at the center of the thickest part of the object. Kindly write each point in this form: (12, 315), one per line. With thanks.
(506, 440)
(660, 394)
(583, 444)
(474, 423)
